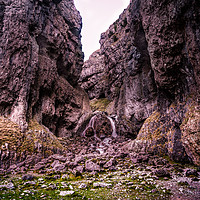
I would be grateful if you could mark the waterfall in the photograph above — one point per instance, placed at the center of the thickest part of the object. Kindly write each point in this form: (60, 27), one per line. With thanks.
(114, 134)
(91, 124)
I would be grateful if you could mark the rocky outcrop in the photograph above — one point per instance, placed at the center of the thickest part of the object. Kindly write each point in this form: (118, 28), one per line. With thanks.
(151, 76)
(91, 78)
(25, 149)
(128, 77)
(40, 61)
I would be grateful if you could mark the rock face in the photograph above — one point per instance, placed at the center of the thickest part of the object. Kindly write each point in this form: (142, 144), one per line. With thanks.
(151, 75)
(91, 77)
(40, 63)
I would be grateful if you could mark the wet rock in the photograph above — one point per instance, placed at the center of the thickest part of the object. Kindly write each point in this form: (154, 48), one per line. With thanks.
(89, 132)
(100, 125)
(148, 76)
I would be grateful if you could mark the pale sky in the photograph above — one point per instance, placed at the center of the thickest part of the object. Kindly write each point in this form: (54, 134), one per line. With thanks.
(97, 16)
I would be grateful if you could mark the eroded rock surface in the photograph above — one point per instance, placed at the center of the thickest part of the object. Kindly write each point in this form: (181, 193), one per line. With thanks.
(40, 63)
(151, 68)
(91, 77)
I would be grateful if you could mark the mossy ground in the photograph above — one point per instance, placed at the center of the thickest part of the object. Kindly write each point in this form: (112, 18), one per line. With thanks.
(35, 140)
(121, 186)
(10, 134)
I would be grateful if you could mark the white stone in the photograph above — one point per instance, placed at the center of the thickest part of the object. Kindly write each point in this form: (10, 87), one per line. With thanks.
(65, 193)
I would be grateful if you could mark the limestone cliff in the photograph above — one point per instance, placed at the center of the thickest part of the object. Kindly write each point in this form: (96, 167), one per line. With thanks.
(40, 63)
(151, 75)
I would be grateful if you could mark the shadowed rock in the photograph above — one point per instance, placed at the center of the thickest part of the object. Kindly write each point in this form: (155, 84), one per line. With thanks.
(40, 61)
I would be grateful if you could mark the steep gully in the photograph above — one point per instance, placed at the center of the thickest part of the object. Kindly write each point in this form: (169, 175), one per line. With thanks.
(144, 82)
(147, 70)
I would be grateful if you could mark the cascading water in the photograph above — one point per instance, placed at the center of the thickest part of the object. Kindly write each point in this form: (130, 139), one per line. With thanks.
(91, 124)
(99, 124)
(114, 134)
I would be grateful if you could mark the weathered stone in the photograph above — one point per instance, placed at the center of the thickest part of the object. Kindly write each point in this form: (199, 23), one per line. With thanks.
(79, 170)
(162, 173)
(28, 183)
(100, 126)
(112, 162)
(191, 172)
(66, 193)
(82, 186)
(39, 166)
(41, 63)
(57, 166)
(91, 166)
(28, 177)
(58, 157)
(8, 186)
(150, 71)
(102, 184)
(91, 76)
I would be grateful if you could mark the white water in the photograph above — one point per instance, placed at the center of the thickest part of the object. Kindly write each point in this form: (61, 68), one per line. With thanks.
(114, 134)
(91, 124)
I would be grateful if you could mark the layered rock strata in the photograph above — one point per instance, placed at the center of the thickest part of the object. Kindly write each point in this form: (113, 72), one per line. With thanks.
(151, 75)
(40, 61)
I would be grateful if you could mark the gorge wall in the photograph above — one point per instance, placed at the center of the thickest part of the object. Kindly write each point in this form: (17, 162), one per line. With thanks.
(40, 63)
(148, 68)
(146, 75)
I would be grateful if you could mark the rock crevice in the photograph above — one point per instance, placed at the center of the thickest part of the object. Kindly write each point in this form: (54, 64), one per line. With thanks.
(150, 64)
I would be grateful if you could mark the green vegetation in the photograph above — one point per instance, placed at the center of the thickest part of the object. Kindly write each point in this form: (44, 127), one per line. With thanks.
(115, 27)
(36, 139)
(99, 104)
(113, 185)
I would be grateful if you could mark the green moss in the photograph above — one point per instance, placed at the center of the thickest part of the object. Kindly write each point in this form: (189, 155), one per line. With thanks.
(36, 140)
(99, 104)
(115, 27)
